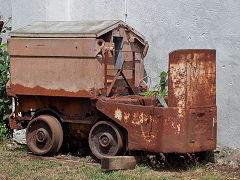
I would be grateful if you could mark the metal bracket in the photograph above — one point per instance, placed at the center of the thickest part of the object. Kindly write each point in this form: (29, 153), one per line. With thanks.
(119, 72)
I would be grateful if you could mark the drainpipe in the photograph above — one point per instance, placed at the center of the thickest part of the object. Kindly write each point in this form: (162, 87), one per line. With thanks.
(125, 11)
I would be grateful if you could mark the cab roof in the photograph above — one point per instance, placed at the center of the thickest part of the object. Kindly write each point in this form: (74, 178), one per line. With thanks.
(88, 29)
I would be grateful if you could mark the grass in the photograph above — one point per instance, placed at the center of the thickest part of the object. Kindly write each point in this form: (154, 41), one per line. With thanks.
(16, 163)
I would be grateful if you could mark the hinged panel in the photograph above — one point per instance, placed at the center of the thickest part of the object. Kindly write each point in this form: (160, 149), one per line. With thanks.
(65, 47)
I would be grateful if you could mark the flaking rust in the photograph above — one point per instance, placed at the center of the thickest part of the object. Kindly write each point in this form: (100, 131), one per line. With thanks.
(118, 114)
(189, 122)
(89, 79)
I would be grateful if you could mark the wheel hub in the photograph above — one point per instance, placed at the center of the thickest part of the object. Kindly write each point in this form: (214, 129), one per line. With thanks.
(42, 135)
(105, 139)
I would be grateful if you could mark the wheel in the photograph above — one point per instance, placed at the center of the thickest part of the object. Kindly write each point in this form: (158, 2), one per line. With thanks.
(105, 139)
(44, 135)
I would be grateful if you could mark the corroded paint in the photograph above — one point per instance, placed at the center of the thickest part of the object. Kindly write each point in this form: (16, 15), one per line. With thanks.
(55, 74)
(177, 128)
(73, 66)
(139, 118)
(86, 79)
(37, 90)
(193, 121)
(126, 116)
(118, 114)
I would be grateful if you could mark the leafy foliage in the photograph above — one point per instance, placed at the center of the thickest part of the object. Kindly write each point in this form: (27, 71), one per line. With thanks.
(160, 88)
(5, 102)
(6, 28)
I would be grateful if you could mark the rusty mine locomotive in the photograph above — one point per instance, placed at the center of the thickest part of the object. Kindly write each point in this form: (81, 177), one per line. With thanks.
(82, 79)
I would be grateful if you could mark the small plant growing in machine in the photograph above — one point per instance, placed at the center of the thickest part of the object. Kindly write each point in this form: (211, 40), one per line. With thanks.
(159, 89)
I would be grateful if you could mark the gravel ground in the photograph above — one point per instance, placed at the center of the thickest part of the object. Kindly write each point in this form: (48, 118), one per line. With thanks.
(227, 156)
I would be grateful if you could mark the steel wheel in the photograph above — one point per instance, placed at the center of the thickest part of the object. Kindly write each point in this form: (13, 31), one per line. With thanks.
(44, 135)
(105, 139)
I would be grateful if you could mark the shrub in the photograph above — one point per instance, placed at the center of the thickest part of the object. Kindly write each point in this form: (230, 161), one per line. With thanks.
(5, 102)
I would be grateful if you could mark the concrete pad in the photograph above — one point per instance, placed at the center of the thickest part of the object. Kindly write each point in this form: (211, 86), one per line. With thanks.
(19, 136)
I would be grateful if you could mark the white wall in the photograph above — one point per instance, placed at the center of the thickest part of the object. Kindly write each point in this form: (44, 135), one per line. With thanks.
(5, 9)
(168, 25)
(25, 12)
(57, 10)
(95, 9)
(5, 13)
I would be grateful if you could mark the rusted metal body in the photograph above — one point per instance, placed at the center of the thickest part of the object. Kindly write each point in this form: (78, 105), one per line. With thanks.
(189, 122)
(54, 63)
(89, 78)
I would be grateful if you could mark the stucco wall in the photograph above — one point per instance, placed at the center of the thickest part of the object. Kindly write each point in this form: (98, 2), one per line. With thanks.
(25, 12)
(167, 25)
(5, 13)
